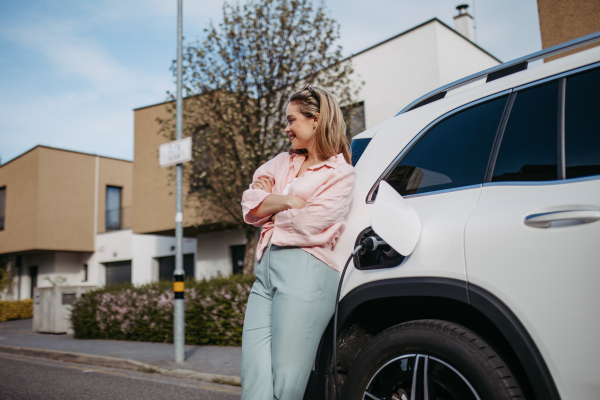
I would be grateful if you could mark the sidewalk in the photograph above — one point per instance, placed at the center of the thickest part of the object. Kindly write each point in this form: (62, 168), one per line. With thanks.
(206, 360)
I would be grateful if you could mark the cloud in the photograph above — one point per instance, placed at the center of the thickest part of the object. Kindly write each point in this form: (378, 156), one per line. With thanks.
(92, 111)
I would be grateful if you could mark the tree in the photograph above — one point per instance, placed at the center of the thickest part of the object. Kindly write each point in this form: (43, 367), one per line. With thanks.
(236, 84)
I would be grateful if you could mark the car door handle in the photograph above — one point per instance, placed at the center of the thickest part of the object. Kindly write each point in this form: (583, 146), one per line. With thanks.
(543, 220)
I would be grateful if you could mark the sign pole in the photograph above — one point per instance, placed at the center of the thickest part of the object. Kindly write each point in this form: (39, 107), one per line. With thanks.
(179, 274)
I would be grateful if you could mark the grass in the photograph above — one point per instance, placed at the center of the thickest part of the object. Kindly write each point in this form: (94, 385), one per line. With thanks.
(147, 370)
(225, 381)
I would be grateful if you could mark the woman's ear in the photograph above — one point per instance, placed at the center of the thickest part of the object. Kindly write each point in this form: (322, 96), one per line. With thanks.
(315, 121)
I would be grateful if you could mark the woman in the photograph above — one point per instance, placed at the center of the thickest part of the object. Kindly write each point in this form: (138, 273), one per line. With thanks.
(300, 198)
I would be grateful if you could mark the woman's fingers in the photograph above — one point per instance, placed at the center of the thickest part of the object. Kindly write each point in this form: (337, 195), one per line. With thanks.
(263, 183)
(266, 184)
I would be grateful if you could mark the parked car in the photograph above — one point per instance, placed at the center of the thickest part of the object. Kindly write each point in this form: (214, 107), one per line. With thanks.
(497, 296)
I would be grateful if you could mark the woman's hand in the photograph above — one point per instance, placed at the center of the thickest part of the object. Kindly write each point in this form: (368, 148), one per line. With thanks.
(263, 183)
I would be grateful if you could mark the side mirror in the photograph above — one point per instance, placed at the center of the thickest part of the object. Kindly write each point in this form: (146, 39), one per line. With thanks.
(394, 220)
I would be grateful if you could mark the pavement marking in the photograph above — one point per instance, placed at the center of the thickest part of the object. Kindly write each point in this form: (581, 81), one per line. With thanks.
(84, 369)
(220, 389)
(13, 358)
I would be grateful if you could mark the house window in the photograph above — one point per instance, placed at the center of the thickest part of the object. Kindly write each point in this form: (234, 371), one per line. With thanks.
(2, 206)
(85, 273)
(113, 208)
(237, 258)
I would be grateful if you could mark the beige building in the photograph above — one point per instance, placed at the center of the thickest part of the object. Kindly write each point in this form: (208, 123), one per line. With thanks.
(66, 217)
(53, 209)
(564, 20)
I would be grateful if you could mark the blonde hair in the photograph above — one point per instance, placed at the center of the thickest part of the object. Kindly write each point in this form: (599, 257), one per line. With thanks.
(330, 134)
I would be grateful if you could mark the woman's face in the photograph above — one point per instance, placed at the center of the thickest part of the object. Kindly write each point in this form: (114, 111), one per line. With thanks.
(301, 130)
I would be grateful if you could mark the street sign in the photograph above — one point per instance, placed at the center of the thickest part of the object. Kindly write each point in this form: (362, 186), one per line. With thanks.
(178, 151)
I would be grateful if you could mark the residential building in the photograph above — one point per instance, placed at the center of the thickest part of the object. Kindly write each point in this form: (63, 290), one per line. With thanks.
(66, 217)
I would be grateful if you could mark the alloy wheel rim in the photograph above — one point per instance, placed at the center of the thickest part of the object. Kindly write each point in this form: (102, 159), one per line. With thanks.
(418, 377)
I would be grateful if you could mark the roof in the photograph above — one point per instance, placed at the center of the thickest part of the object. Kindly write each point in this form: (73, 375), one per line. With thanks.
(59, 149)
(417, 27)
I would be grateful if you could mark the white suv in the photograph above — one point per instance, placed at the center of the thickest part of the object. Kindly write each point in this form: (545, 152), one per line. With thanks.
(491, 286)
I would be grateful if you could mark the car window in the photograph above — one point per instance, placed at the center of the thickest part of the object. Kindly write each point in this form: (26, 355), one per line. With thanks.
(529, 148)
(452, 154)
(582, 124)
(358, 147)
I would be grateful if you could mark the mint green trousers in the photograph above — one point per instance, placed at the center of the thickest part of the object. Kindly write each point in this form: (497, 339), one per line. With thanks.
(288, 309)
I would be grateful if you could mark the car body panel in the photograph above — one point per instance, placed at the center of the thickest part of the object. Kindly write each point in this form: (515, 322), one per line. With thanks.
(547, 276)
(557, 306)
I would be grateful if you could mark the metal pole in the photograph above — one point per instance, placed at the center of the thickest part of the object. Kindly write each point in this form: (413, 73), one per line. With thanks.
(179, 275)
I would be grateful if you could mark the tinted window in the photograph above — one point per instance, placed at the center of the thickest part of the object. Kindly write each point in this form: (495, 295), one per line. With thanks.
(452, 154)
(582, 124)
(358, 148)
(528, 151)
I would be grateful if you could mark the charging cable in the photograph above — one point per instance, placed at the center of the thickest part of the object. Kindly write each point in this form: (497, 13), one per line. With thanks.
(369, 244)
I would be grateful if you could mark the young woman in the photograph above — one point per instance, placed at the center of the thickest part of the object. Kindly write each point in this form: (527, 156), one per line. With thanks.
(299, 198)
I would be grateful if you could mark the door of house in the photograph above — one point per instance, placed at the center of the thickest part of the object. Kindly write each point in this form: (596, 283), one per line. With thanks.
(118, 272)
(166, 266)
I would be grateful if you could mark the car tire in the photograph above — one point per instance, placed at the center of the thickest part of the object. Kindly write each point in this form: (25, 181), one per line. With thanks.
(443, 353)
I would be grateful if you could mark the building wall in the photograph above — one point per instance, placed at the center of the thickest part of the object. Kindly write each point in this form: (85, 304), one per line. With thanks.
(142, 250)
(564, 20)
(65, 200)
(404, 68)
(20, 178)
(214, 253)
(146, 250)
(153, 189)
(50, 199)
(457, 56)
(52, 267)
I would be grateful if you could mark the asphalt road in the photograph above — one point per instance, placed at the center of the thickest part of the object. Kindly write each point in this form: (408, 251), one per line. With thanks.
(31, 378)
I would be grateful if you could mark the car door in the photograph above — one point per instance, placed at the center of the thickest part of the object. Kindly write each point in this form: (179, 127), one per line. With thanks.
(533, 239)
(440, 174)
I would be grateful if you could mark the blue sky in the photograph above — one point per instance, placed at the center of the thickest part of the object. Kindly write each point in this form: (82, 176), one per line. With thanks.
(71, 72)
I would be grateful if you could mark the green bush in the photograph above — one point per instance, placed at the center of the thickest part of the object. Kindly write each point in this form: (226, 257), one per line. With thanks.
(16, 310)
(214, 312)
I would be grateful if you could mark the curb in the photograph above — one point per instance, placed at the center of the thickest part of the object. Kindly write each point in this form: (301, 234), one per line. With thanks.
(121, 363)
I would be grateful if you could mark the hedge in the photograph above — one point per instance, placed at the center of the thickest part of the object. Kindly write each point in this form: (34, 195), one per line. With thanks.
(19, 309)
(214, 312)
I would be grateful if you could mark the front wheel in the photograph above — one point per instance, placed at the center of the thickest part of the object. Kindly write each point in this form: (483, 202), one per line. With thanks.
(429, 360)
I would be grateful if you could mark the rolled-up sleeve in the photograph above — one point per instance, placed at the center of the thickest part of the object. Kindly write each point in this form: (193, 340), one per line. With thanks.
(320, 220)
(253, 197)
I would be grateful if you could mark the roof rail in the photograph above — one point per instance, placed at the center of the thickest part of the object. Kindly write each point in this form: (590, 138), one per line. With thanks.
(501, 70)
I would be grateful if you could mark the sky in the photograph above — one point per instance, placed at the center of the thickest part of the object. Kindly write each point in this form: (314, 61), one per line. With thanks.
(71, 72)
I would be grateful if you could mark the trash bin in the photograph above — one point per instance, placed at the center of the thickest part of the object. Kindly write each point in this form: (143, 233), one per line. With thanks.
(52, 307)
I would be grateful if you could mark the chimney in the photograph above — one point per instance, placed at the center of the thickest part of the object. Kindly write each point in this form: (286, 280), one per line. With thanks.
(463, 22)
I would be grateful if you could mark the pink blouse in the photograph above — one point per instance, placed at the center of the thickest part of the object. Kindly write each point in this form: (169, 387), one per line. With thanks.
(327, 188)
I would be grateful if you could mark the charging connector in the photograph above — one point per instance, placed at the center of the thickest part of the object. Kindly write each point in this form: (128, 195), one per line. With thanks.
(370, 243)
